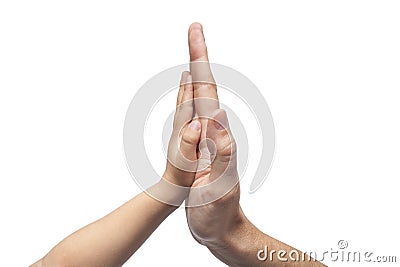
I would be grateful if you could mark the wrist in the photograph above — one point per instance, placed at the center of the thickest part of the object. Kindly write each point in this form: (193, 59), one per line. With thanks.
(178, 177)
(233, 233)
(236, 244)
(168, 192)
(167, 176)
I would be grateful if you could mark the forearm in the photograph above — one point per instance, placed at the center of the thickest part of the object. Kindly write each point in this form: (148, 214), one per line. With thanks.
(246, 245)
(111, 240)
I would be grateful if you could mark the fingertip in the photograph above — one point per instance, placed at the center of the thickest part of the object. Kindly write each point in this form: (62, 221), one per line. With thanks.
(197, 45)
(184, 76)
(190, 139)
(188, 90)
(195, 25)
(189, 78)
(196, 33)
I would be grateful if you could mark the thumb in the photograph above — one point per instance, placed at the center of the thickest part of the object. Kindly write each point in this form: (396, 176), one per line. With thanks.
(190, 139)
(223, 145)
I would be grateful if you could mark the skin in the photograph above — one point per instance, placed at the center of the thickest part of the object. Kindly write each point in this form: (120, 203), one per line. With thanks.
(220, 225)
(114, 238)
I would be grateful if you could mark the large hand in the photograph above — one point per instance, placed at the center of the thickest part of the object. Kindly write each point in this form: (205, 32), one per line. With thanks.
(217, 167)
(221, 224)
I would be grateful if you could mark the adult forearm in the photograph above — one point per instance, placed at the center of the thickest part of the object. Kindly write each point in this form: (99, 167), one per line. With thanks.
(246, 245)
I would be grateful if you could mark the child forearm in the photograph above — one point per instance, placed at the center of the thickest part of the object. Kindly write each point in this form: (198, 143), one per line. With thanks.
(111, 240)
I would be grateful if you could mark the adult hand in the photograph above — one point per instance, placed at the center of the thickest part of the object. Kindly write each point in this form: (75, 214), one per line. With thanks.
(216, 180)
(214, 215)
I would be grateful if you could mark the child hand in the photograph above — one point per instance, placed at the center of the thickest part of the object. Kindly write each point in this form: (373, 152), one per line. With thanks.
(182, 148)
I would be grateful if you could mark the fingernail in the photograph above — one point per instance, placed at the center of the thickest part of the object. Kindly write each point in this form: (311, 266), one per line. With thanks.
(195, 125)
(196, 25)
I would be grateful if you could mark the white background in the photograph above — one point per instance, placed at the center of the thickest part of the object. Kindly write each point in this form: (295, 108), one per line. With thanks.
(329, 72)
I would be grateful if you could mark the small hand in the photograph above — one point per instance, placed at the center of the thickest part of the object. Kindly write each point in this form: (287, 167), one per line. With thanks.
(182, 147)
